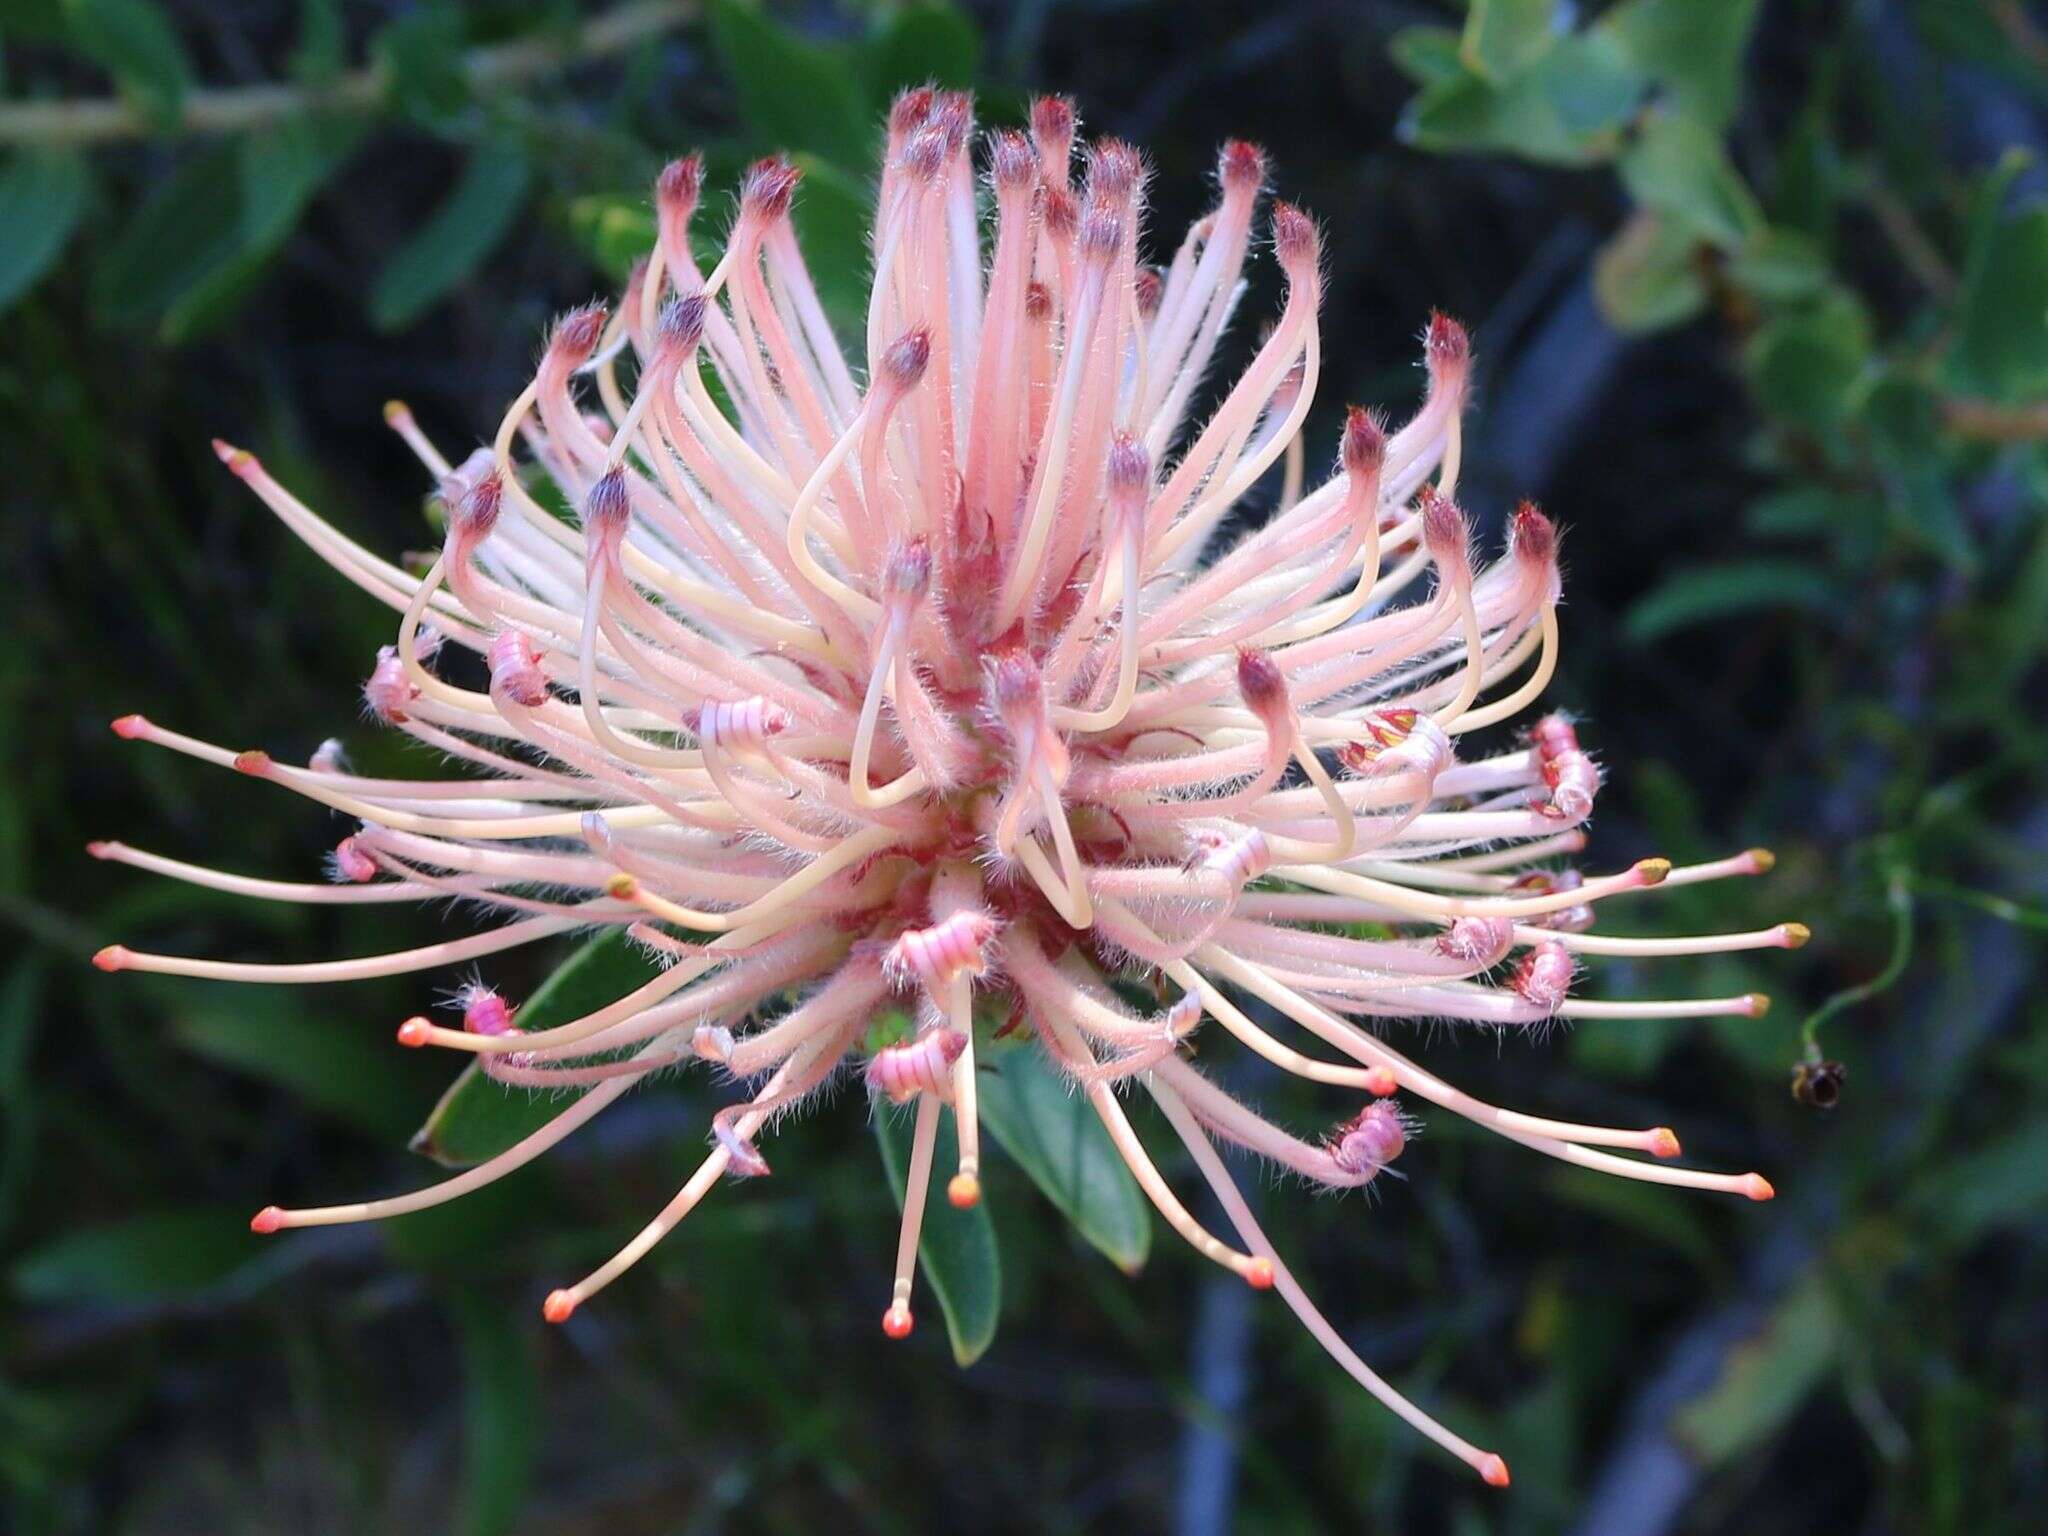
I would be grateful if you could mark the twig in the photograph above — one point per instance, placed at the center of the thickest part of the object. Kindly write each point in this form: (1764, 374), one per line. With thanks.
(105, 120)
(1988, 421)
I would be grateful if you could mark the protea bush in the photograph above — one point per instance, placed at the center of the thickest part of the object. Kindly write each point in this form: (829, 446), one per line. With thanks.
(1007, 681)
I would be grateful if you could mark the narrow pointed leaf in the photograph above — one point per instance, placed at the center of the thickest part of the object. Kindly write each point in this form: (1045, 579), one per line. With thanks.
(1059, 1142)
(42, 196)
(452, 244)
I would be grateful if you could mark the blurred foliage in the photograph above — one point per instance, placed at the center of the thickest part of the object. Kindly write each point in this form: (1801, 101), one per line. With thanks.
(1809, 573)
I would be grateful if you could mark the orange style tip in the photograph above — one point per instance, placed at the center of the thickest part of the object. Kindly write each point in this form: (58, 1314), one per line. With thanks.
(1653, 871)
(1494, 1469)
(623, 887)
(239, 460)
(1762, 861)
(558, 1306)
(897, 1322)
(1796, 934)
(268, 1220)
(1757, 1187)
(964, 1191)
(414, 1032)
(99, 848)
(128, 727)
(396, 411)
(1381, 1083)
(1664, 1142)
(255, 763)
(1759, 1003)
(1259, 1274)
(113, 958)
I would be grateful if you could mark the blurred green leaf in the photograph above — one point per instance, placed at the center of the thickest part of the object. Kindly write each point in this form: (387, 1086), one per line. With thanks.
(615, 228)
(1566, 109)
(323, 42)
(1695, 50)
(2001, 348)
(136, 45)
(1708, 593)
(1677, 167)
(421, 55)
(1801, 511)
(20, 1014)
(2004, 1182)
(793, 94)
(1804, 365)
(922, 44)
(187, 229)
(1779, 266)
(500, 1413)
(354, 1073)
(162, 1255)
(452, 244)
(832, 214)
(956, 1249)
(1901, 416)
(477, 1118)
(1426, 55)
(279, 173)
(1053, 1135)
(1644, 1210)
(1504, 37)
(42, 196)
(1765, 1379)
(1648, 276)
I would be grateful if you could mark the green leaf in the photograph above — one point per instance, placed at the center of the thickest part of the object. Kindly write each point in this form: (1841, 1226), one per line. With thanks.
(421, 56)
(1780, 266)
(1566, 109)
(1997, 1185)
(42, 197)
(1504, 37)
(136, 45)
(832, 213)
(1678, 168)
(956, 1249)
(1648, 276)
(1765, 1379)
(1642, 1210)
(793, 94)
(616, 228)
(189, 228)
(162, 1255)
(1694, 50)
(1059, 1142)
(1803, 366)
(338, 1066)
(1426, 55)
(499, 1411)
(452, 244)
(478, 1118)
(2001, 348)
(923, 44)
(1709, 593)
(322, 48)
(280, 171)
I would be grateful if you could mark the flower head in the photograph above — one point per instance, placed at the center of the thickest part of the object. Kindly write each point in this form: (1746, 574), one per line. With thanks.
(934, 684)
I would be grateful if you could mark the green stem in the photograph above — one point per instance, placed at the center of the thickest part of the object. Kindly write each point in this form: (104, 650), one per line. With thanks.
(1898, 901)
(106, 120)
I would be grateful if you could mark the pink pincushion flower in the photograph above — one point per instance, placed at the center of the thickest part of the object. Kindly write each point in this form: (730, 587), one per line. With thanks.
(935, 690)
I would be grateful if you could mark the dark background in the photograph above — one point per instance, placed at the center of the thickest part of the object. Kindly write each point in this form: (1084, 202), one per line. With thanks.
(1760, 294)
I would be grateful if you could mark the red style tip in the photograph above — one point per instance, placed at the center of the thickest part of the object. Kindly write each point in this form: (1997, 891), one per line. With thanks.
(769, 188)
(113, 958)
(963, 1191)
(897, 1322)
(910, 109)
(1664, 1142)
(1294, 236)
(1011, 164)
(1443, 529)
(1381, 1082)
(907, 358)
(268, 1220)
(128, 727)
(679, 184)
(1259, 680)
(558, 1306)
(1365, 442)
(100, 848)
(1494, 1470)
(1446, 345)
(1534, 535)
(414, 1033)
(1242, 166)
(1757, 1187)
(1259, 1274)
(255, 763)
(578, 332)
